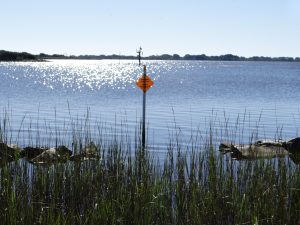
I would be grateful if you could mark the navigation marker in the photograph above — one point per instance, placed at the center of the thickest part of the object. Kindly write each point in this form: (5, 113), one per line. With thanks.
(144, 83)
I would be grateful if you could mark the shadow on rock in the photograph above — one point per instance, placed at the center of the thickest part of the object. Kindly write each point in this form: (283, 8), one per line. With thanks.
(32, 152)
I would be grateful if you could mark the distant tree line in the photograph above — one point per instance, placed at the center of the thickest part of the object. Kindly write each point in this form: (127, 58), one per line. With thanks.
(16, 56)
(227, 57)
(24, 56)
(57, 56)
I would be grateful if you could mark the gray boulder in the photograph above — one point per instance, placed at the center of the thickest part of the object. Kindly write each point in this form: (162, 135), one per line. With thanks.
(53, 155)
(90, 152)
(260, 149)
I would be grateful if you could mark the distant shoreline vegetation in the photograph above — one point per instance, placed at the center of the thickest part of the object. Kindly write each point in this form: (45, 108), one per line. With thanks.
(24, 56)
(17, 56)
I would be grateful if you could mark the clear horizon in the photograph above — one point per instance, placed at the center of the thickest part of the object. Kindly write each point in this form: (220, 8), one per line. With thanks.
(217, 27)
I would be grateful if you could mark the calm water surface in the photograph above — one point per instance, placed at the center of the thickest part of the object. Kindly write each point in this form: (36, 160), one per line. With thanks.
(238, 100)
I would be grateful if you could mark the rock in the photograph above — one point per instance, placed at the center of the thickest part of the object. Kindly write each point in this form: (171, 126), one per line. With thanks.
(47, 156)
(90, 149)
(9, 152)
(32, 152)
(293, 145)
(90, 152)
(260, 149)
(271, 143)
(226, 147)
(53, 155)
(63, 151)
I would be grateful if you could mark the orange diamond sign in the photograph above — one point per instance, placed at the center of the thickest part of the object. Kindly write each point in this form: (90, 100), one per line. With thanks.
(144, 83)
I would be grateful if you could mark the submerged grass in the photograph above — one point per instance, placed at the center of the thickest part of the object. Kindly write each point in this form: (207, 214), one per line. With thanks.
(131, 186)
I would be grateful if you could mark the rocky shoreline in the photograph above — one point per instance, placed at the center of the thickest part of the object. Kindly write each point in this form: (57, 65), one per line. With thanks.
(45, 155)
(61, 154)
(263, 149)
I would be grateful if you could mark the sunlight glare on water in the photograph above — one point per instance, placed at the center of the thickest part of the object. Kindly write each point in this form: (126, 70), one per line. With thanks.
(79, 75)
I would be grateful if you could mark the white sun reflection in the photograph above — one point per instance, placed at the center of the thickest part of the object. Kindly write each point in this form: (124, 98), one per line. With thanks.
(84, 75)
(81, 74)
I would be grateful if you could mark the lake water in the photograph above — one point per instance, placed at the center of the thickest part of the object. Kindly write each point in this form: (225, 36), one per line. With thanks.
(240, 101)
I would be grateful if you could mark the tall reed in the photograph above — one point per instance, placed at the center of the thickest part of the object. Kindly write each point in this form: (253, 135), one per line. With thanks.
(190, 185)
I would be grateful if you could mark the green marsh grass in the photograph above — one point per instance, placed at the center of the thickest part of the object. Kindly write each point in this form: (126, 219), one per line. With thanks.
(190, 185)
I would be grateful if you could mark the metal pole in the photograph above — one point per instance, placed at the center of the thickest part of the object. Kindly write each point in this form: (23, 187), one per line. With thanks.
(144, 113)
(139, 55)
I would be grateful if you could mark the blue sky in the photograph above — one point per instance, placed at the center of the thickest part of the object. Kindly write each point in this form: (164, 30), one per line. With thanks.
(212, 27)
